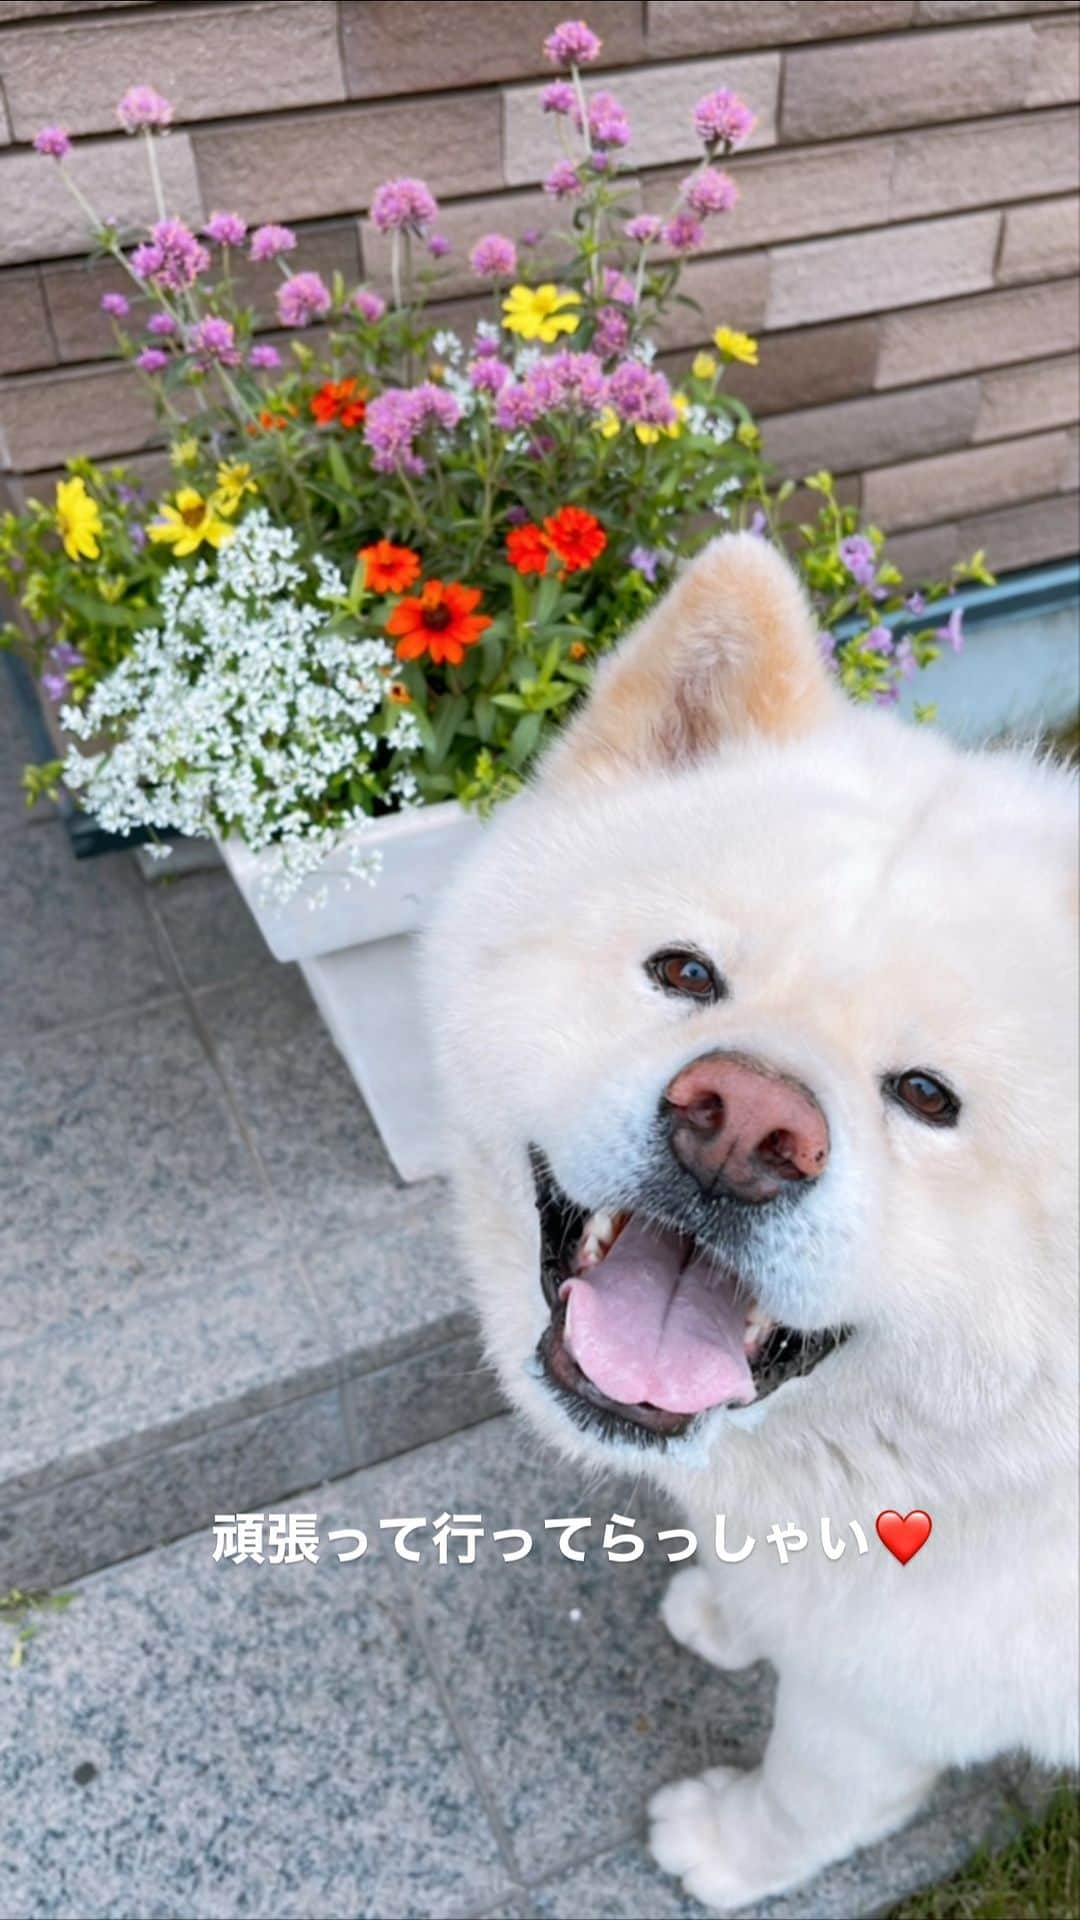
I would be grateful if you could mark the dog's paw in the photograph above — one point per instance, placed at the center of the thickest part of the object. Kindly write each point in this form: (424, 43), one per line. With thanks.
(713, 1834)
(693, 1617)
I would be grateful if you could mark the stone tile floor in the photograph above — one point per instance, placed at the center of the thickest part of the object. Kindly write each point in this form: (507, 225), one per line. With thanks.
(391, 1739)
(213, 1296)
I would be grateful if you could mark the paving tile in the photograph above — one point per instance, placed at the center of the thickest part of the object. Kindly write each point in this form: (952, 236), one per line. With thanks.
(15, 754)
(212, 934)
(124, 1170)
(576, 1700)
(220, 1741)
(421, 1398)
(97, 1520)
(965, 1810)
(394, 1282)
(76, 941)
(89, 1393)
(308, 1121)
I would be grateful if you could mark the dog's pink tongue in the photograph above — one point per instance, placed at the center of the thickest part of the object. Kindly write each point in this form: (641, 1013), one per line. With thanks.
(645, 1326)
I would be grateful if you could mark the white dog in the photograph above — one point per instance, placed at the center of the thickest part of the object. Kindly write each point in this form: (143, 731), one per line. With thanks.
(756, 1024)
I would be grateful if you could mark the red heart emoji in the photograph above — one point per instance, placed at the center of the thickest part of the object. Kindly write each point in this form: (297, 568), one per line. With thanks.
(905, 1533)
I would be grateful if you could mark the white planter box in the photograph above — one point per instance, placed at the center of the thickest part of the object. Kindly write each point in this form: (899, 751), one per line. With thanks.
(357, 954)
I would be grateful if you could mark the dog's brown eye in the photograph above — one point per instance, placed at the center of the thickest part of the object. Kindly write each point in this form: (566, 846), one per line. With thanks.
(924, 1096)
(680, 971)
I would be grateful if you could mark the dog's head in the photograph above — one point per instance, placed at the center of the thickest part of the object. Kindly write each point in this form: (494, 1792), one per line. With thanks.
(755, 1016)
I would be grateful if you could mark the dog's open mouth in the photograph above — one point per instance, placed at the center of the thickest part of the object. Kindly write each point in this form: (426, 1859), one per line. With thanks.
(647, 1330)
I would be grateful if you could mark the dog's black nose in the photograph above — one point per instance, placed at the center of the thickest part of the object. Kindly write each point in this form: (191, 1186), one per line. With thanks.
(744, 1129)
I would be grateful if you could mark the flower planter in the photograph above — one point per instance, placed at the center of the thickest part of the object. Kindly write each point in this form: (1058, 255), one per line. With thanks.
(357, 953)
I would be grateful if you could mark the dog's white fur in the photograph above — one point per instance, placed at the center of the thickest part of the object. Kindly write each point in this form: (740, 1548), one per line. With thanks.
(877, 900)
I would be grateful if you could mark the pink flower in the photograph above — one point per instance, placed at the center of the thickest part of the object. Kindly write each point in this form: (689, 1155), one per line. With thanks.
(494, 257)
(144, 107)
(642, 228)
(172, 258)
(264, 356)
(488, 374)
(303, 299)
(530, 236)
(572, 44)
(162, 324)
(721, 118)
(402, 203)
(369, 305)
(116, 305)
(684, 231)
(608, 124)
(438, 246)
(226, 229)
(152, 360)
(612, 332)
(517, 407)
(577, 380)
(214, 340)
(53, 141)
(563, 180)
(618, 287)
(640, 395)
(268, 242)
(559, 97)
(709, 191)
(396, 418)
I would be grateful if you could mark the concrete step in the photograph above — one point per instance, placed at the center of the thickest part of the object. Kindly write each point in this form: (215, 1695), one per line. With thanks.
(388, 1737)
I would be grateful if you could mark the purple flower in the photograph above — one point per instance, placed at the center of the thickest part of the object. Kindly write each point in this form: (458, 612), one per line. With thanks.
(642, 228)
(265, 357)
(646, 560)
(915, 603)
(137, 536)
(563, 180)
(759, 527)
(54, 686)
(826, 640)
(608, 124)
(144, 107)
(65, 655)
(439, 246)
(721, 117)
(53, 141)
(857, 554)
(572, 44)
(213, 340)
(618, 287)
(576, 380)
(369, 305)
(904, 658)
(709, 191)
(612, 332)
(494, 257)
(161, 324)
(226, 229)
(878, 640)
(887, 697)
(530, 236)
(128, 496)
(152, 360)
(172, 258)
(488, 374)
(395, 419)
(640, 396)
(116, 305)
(559, 97)
(517, 407)
(684, 231)
(303, 299)
(268, 242)
(402, 203)
(953, 630)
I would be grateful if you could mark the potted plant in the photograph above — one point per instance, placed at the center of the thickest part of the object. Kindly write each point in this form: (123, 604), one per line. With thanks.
(391, 555)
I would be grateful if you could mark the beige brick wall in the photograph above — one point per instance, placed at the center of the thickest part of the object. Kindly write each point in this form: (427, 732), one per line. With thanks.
(906, 243)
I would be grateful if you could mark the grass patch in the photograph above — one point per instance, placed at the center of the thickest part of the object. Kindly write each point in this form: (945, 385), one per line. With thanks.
(1036, 1877)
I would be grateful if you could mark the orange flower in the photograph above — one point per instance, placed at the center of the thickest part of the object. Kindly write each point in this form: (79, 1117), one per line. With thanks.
(576, 537)
(341, 400)
(399, 693)
(389, 569)
(577, 650)
(441, 622)
(528, 549)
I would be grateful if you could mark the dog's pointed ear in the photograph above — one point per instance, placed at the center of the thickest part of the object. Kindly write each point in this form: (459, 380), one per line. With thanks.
(732, 649)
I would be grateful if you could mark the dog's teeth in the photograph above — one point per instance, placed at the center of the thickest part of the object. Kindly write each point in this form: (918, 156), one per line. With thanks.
(596, 1241)
(757, 1326)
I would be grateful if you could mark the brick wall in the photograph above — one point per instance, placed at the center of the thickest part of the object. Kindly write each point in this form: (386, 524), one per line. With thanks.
(906, 243)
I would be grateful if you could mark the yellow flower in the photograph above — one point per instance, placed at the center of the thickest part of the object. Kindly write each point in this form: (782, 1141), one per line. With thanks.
(79, 520)
(190, 521)
(737, 346)
(646, 433)
(233, 481)
(649, 435)
(704, 366)
(184, 453)
(748, 435)
(607, 422)
(537, 312)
